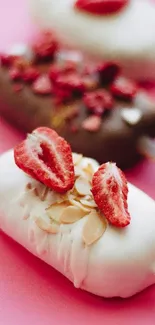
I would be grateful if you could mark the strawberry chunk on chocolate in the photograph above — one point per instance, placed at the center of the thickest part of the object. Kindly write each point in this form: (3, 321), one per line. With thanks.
(101, 7)
(46, 46)
(124, 89)
(108, 71)
(30, 74)
(42, 85)
(98, 101)
(110, 190)
(6, 60)
(72, 82)
(57, 70)
(15, 74)
(46, 157)
(92, 123)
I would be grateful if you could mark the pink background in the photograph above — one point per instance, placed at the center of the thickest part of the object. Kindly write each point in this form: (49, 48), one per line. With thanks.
(32, 292)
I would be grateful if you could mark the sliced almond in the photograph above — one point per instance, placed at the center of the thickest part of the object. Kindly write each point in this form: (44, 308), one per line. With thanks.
(94, 228)
(78, 171)
(89, 169)
(55, 211)
(131, 115)
(43, 225)
(77, 158)
(72, 214)
(78, 204)
(87, 197)
(82, 186)
(88, 203)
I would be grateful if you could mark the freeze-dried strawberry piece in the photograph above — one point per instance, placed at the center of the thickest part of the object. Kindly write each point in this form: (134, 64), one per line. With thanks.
(15, 74)
(62, 96)
(110, 190)
(71, 82)
(108, 71)
(46, 46)
(92, 123)
(124, 89)
(98, 101)
(101, 7)
(54, 72)
(30, 74)
(42, 85)
(57, 70)
(6, 60)
(47, 157)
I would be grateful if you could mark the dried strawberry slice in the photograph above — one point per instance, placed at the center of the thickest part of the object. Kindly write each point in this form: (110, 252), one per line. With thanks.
(108, 71)
(98, 101)
(101, 7)
(46, 46)
(30, 74)
(62, 96)
(92, 123)
(124, 89)
(42, 85)
(6, 60)
(57, 70)
(110, 192)
(47, 157)
(15, 74)
(71, 82)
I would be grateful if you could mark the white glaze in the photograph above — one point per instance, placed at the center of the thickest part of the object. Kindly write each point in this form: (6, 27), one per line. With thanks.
(121, 263)
(128, 36)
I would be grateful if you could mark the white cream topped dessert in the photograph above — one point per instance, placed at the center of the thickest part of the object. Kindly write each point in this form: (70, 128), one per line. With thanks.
(78, 217)
(121, 30)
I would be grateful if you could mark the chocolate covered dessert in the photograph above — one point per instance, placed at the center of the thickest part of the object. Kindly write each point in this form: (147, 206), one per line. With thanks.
(99, 112)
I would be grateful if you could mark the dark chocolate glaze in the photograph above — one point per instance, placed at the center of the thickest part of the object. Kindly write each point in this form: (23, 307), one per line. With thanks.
(115, 141)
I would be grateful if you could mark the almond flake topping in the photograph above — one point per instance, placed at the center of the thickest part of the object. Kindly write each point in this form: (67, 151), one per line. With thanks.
(72, 214)
(82, 186)
(49, 228)
(89, 169)
(76, 203)
(55, 210)
(131, 115)
(94, 228)
(72, 206)
(77, 158)
(88, 203)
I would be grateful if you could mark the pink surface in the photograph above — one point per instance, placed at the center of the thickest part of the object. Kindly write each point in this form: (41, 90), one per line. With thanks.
(32, 292)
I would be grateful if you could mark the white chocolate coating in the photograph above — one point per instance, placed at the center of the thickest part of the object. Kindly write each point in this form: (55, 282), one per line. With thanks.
(128, 36)
(120, 263)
